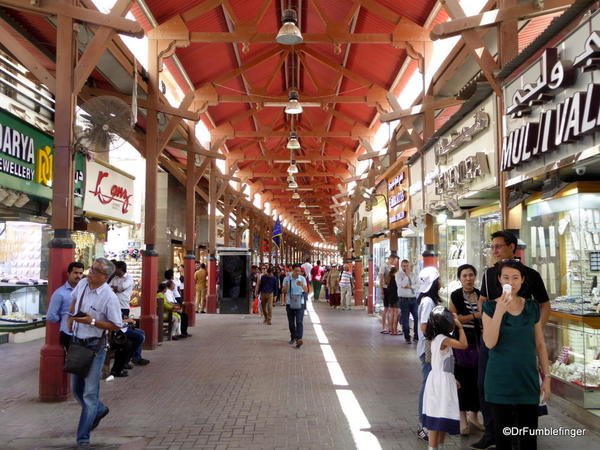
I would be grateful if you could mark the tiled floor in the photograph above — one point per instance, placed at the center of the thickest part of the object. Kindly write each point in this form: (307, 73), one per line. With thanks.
(238, 384)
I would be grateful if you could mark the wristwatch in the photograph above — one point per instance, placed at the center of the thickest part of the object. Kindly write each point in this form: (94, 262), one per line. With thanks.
(93, 322)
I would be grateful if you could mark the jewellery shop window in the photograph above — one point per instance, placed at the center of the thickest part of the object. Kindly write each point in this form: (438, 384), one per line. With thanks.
(563, 245)
(479, 231)
(85, 247)
(453, 253)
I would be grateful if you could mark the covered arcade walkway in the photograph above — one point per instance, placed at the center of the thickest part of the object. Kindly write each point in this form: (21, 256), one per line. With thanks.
(238, 384)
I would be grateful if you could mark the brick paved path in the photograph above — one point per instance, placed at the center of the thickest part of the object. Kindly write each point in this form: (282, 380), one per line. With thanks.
(238, 384)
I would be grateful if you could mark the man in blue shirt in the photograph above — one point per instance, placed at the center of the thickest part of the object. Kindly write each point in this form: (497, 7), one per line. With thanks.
(61, 301)
(297, 287)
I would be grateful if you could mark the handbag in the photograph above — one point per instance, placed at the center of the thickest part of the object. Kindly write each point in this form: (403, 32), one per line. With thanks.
(79, 358)
(468, 357)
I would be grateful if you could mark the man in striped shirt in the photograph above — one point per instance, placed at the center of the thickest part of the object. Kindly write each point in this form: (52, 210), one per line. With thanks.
(347, 286)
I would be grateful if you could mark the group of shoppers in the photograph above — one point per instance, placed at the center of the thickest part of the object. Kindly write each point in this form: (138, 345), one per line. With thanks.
(486, 352)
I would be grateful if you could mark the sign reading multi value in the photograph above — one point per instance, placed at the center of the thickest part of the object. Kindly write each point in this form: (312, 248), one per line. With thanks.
(555, 122)
(398, 199)
(108, 192)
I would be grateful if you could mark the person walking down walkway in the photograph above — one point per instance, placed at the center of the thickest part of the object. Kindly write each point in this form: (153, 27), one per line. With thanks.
(60, 303)
(347, 286)
(332, 280)
(201, 281)
(295, 286)
(407, 292)
(267, 287)
(316, 276)
(101, 314)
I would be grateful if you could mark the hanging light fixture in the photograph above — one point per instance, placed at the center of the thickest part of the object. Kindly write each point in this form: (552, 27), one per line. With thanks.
(293, 106)
(295, 195)
(302, 204)
(289, 33)
(290, 178)
(293, 143)
(293, 168)
(293, 184)
(306, 212)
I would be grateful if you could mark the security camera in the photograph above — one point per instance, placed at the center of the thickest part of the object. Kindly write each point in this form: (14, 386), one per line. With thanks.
(580, 170)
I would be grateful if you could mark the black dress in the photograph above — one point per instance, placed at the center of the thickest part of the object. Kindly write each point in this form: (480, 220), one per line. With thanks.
(465, 361)
(392, 294)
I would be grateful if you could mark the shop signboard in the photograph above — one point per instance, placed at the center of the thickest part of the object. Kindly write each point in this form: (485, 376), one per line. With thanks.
(398, 199)
(108, 192)
(379, 215)
(26, 158)
(553, 107)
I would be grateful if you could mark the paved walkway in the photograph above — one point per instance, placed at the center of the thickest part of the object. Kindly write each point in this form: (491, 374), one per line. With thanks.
(238, 384)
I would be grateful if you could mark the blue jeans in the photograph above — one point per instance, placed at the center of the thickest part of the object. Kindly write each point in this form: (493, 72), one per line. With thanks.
(408, 306)
(295, 322)
(87, 392)
(425, 369)
(137, 337)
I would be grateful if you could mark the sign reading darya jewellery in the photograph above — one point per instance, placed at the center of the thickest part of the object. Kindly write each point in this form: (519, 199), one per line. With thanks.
(555, 115)
(398, 204)
(108, 192)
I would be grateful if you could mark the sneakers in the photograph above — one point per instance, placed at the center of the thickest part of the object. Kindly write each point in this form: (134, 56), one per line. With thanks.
(99, 418)
(299, 343)
(123, 373)
(140, 362)
(292, 340)
(483, 444)
(422, 434)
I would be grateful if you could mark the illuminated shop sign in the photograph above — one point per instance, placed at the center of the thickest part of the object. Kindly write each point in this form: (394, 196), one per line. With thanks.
(398, 197)
(108, 192)
(565, 122)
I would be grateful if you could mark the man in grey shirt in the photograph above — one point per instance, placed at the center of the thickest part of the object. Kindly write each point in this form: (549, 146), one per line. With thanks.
(101, 314)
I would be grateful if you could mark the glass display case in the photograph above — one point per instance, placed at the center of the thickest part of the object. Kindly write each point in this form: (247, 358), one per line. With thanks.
(563, 244)
(22, 307)
(479, 230)
(452, 253)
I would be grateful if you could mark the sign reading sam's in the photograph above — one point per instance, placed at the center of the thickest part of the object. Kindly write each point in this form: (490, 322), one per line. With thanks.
(561, 122)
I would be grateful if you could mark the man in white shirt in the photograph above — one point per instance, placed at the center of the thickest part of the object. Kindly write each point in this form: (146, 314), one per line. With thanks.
(307, 267)
(408, 286)
(122, 285)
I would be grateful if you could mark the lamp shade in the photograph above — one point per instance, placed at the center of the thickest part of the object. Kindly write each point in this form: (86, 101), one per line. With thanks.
(289, 33)
(296, 195)
(293, 184)
(293, 107)
(293, 168)
(302, 205)
(293, 143)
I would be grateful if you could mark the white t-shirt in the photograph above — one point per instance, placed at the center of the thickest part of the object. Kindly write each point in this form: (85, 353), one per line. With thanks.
(425, 308)
(307, 268)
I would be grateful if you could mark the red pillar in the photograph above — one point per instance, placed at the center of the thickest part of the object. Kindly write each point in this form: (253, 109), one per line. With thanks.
(430, 257)
(370, 305)
(189, 287)
(148, 318)
(54, 382)
(359, 290)
(211, 298)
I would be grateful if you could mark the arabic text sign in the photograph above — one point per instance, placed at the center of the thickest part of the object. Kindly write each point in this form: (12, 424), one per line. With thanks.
(560, 107)
(398, 203)
(108, 193)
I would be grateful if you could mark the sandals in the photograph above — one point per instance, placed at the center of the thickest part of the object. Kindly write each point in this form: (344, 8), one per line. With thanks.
(385, 331)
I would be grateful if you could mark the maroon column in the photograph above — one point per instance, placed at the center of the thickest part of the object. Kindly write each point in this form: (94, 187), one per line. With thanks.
(54, 382)
(359, 290)
(148, 318)
(211, 298)
(189, 288)
(370, 306)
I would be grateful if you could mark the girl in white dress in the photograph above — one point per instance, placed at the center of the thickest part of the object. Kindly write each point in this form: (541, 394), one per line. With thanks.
(441, 412)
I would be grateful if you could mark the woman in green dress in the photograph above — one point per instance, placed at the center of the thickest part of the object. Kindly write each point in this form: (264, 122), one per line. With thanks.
(513, 332)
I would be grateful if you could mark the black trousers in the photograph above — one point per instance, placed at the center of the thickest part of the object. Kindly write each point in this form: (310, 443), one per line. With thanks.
(488, 416)
(522, 418)
(123, 353)
(65, 340)
(184, 323)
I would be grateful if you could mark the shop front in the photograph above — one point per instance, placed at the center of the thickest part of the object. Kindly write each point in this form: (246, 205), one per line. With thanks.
(25, 193)
(461, 189)
(551, 156)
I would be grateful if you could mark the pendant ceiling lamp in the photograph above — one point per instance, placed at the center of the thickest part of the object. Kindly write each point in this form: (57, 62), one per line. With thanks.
(290, 178)
(293, 184)
(293, 168)
(302, 204)
(293, 142)
(289, 33)
(296, 195)
(293, 106)
(306, 212)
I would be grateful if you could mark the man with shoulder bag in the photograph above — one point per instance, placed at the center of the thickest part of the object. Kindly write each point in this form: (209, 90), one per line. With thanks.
(297, 287)
(95, 312)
